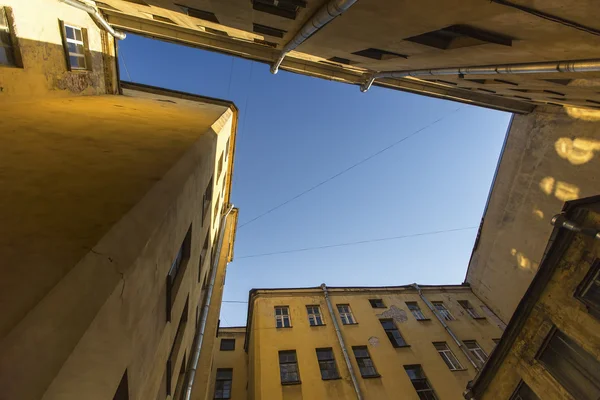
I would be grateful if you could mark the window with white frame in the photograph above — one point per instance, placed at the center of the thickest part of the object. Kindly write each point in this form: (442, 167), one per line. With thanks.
(7, 51)
(448, 356)
(346, 314)
(282, 317)
(75, 42)
(420, 382)
(468, 307)
(443, 311)
(314, 315)
(476, 351)
(416, 311)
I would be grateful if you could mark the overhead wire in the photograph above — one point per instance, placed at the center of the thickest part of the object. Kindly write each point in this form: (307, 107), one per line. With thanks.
(356, 243)
(342, 172)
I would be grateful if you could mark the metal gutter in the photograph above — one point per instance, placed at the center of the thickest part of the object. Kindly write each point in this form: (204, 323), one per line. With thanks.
(528, 68)
(199, 337)
(326, 14)
(446, 327)
(341, 341)
(96, 16)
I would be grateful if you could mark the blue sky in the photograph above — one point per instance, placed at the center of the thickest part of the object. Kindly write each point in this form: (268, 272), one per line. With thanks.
(296, 131)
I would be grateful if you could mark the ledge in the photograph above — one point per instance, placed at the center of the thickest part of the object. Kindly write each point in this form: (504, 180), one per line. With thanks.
(371, 376)
(291, 383)
(424, 319)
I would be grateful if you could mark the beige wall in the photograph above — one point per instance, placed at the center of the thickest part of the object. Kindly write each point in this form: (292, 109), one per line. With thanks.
(556, 307)
(43, 71)
(550, 157)
(266, 341)
(103, 191)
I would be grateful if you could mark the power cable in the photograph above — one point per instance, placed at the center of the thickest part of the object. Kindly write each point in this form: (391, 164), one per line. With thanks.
(358, 242)
(364, 160)
(234, 301)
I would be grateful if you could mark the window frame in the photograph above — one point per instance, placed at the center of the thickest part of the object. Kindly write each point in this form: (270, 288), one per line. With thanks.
(517, 396)
(282, 317)
(429, 391)
(591, 277)
(207, 198)
(475, 351)
(448, 357)
(377, 303)
(227, 348)
(295, 362)
(390, 333)
(445, 313)
(468, 307)
(344, 315)
(328, 362)
(418, 310)
(223, 380)
(83, 43)
(176, 346)
(360, 360)
(177, 270)
(317, 317)
(13, 53)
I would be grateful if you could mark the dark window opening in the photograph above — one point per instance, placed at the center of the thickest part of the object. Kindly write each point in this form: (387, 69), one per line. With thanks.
(282, 8)
(122, 392)
(457, 36)
(267, 30)
(175, 274)
(207, 198)
(376, 303)
(365, 364)
(288, 367)
(227, 345)
(203, 257)
(340, 60)
(176, 345)
(265, 43)
(420, 382)
(468, 307)
(554, 93)
(393, 333)
(215, 31)
(163, 19)
(223, 383)
(574, 368)
(220, 167)
(416, 311)
(200, 14)
(377, 54)
(140, 2)
(327, 364)
(523, 392)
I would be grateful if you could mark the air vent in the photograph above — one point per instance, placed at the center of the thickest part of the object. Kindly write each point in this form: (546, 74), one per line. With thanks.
(162, 19)
(340, 60)
(265, 43)
(457, 36)
(200, 14)
(282, 8)
(377, 54)
(267, 30)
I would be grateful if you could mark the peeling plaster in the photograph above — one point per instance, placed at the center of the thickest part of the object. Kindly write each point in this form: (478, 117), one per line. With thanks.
(374, 341)
(395, 313)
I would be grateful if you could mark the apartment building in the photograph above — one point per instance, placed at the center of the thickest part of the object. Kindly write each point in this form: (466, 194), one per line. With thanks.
(422, 342)
(115, 218)
(550, 349)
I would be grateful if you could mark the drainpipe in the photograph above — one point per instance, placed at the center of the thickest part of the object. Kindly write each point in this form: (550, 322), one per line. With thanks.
(530, 68)
(198, 339)
(561, 221)
(96, 16)
(326, 14)
(342, 344)
(446, 327)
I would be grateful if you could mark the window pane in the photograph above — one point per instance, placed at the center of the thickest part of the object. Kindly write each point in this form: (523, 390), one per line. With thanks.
(70, 32)
(77, 62)
(387, 324)
(360, 352)
(78, 34)
(324, 354)
(523, 392)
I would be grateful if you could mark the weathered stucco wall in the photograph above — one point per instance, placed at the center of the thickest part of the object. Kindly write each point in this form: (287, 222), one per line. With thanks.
(43, 71)
(551, 156)
(102, 190)
(266, 341)
(556, 307)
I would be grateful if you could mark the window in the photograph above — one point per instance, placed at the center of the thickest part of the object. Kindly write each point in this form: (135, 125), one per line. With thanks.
(176, 345)
(200, 14)
(203, 254)
(220, 167)
(365, 364)
(420, 382)
(443, 311)
(223, 383)
(122, 392)
(227, 148)
(340, 60)
(207, 198)
(376, 303)
(314, 315)
(523, 392)
(469, 309)
(327, 364)
(7, 51)
(457, 36)
(573, 367)
(282, 317)
(281, 8)
(416, 311)
(448, 356)
(163, 19)
(346, 314)
(216, 214)
(377, 54)
(175, 274)
(75, 47)
(476, 351)
(392, 333)
(589, 290)
(227, 344)
(288, 367)
(267, 30)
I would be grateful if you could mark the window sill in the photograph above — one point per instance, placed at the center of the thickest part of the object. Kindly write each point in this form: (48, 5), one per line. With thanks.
(459, 370)
(479, 318)
(401, 347)
(331, 379)
(314, 326)
(284, 327)
(354, 323)
(424, 319)
(371, 376)
(291, 383)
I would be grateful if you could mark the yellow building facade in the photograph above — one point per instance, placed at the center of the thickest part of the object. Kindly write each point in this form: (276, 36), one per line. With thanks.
(390, 343)
(551, 348)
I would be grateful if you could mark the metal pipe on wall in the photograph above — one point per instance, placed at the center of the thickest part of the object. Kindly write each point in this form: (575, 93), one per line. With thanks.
(446, 327)
(529, 68)
(341, 341)
(96, 16)
(199, 337)
(326, 14)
